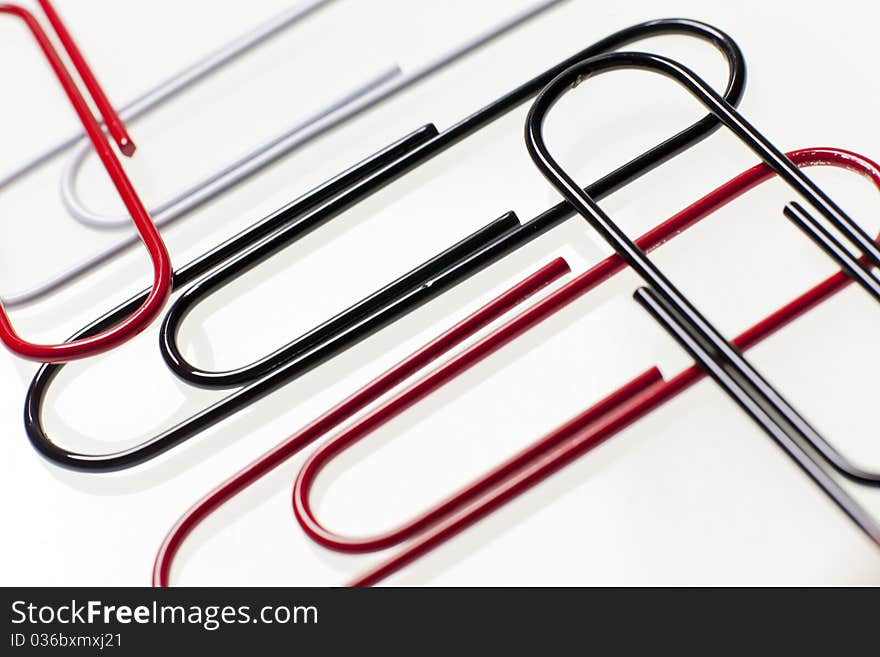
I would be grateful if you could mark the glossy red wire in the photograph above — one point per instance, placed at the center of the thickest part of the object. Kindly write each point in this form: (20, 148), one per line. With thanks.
(454, 514)
(372, 391)
(152, 306)
(488, 345)
(114, 124)
(617, 411)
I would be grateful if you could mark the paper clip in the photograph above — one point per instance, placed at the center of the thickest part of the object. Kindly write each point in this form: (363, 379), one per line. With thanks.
(502, 237)
(544, 457)
(139, 317)
(722, 360)
(351, 187)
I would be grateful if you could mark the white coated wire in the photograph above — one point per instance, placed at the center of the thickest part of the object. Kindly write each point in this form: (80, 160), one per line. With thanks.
(179, 81)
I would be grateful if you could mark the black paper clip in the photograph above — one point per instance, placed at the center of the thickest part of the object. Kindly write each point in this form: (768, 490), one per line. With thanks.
(441, 273)
(481, 249)
(663, 300)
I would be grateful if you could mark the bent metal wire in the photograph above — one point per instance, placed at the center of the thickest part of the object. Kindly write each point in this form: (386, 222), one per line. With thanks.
(443, 272)
(633, 401)
(114, 123)
(283, 143)
(389, 297)
(536, 462)
(385, 85)
(222, 178)
(138, 317)
(665, 302)
(176, 83)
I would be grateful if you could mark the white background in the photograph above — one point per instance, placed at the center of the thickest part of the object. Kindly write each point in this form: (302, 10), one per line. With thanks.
(694, 494)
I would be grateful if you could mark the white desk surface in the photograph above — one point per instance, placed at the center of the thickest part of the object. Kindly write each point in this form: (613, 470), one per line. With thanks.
(693, 494)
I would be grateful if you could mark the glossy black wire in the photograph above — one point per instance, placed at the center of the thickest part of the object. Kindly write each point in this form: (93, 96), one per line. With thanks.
(387, 296)
(718, 357)
(506, 237)
(678, 328)
(825, 240)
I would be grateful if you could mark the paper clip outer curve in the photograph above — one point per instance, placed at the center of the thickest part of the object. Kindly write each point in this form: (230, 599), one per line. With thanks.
(158, 296)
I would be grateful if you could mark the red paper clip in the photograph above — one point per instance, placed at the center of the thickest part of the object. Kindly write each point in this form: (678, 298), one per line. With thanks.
(153, 305)
(623, 407)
